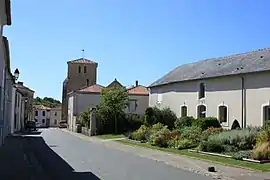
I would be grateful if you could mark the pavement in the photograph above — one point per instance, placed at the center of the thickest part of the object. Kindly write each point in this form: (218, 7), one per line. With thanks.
(16, 161)
(60, 154)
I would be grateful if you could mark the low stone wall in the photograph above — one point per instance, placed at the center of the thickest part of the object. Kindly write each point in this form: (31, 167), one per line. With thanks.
(86, 131)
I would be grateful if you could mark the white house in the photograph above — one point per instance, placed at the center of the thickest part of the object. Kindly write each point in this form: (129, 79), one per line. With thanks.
(235, 89)
(46, 116)
(88, 97)
(17, 110)
(42, 115)
(5, 19)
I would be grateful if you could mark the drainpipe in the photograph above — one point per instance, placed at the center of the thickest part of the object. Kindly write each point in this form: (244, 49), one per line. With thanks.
(243, 103)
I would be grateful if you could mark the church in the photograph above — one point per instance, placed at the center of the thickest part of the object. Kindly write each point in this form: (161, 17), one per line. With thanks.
(81, 91)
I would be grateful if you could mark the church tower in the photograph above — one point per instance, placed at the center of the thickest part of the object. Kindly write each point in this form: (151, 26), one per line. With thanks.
(81, 73)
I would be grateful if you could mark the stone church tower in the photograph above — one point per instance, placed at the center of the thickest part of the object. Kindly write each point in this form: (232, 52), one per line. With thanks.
(81, 73)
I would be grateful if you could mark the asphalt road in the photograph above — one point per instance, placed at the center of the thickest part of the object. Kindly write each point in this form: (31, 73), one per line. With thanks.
(65, 156)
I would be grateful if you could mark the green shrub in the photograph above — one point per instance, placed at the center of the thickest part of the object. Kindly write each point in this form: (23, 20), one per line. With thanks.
(210, 131)
(185, 144)
(230, 140)
(132, 122)
(140, 134)
(192, 133)
(205, 123)
(212, 145)
(157, 127)
(160, 137)
(168, 117)
(149, 116)
(183, 121)
(263, 136)
(155, 115)
(240, 155)
(261, 150)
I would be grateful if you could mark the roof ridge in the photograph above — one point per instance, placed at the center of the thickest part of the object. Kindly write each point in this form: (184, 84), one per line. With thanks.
(246, 62)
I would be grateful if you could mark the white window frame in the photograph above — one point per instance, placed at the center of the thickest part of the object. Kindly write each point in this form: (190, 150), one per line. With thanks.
(262, 113)
(197, 109)
(224, 124)
(184, 105)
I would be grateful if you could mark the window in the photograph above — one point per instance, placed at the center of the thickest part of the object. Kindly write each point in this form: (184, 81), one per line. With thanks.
(43, 113)
(55, 113)
(202, 91)
(87, 82)
(266, 113)
(201, 111)
(184, 111)
(55, 121)
(84, 69)
(132, 106)
(222, 114)
(43, 121)
(80, 69)
(36, 120)
(36, 113)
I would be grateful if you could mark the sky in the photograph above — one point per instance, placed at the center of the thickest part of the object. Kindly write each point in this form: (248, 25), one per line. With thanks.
(129, 39)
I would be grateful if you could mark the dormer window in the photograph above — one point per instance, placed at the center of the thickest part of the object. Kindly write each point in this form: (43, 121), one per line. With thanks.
(202, 90)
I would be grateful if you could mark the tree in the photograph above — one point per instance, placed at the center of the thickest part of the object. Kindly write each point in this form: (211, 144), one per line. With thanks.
(47, 101)
(84, 118)
(111, 109)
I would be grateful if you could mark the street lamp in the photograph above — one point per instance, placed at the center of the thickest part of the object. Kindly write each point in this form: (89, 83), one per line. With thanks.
(16, 74)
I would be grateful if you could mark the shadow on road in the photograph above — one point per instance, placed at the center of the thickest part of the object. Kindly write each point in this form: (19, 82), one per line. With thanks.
(52, 164)
(30, 132)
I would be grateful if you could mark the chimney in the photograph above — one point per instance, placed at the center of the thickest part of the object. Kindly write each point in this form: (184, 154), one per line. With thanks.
(136, 83)
(21, 83)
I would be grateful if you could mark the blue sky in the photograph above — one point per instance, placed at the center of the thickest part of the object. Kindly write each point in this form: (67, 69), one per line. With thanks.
(130, 39)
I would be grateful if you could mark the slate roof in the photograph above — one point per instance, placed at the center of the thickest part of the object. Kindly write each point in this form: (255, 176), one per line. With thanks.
(82, 61)
(253, 61)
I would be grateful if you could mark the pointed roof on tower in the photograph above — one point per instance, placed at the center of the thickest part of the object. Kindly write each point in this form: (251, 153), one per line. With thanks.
(81, 61)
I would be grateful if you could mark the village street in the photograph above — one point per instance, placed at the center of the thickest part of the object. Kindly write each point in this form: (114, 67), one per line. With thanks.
(66, 155)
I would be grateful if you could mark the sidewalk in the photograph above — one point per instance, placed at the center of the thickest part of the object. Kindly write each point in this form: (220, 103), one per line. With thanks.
(16, 162)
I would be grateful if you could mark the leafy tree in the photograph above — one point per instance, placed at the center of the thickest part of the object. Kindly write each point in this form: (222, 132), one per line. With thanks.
(84, 118)
(111, 109)
(47, 101)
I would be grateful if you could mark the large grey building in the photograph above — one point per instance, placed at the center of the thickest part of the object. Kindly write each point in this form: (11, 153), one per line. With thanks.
(235, 89)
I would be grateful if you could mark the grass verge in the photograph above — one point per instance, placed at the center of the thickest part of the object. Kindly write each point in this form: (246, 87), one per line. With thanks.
(217, 159)
(110, 136)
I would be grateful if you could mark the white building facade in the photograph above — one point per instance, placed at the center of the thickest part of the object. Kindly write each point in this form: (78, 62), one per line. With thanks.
(235, 89)
(5, 84)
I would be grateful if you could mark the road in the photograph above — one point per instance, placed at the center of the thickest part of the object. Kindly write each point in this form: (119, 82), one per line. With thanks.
(65, 156)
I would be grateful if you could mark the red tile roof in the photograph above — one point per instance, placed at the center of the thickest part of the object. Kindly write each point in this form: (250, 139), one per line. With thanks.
(96, 88)
(82, 61)
(139, 90)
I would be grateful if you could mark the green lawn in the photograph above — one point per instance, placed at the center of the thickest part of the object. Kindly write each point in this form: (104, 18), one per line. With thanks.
(110, 136)
(217, 159)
